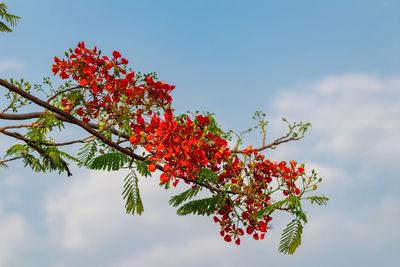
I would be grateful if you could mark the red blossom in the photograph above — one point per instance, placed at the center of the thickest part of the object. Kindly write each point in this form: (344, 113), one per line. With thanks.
(116, 54)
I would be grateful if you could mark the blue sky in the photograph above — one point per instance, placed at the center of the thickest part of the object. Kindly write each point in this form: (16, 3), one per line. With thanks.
(332, 63)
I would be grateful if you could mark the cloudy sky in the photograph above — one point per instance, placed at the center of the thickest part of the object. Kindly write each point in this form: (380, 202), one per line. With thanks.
(332, 63)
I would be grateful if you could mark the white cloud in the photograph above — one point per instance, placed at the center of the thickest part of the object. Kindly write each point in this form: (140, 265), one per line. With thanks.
(13, 181)
(334, 177)
(89, 212)
(354, 116)
(77, 213)
(15, 238)
(365, 230)
(185, 254)
(11, 65)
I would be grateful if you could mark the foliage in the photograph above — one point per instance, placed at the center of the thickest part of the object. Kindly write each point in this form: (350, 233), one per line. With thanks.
(291, 237)
(111, 161)
(204, 206)
(9, 18)
(131, 194)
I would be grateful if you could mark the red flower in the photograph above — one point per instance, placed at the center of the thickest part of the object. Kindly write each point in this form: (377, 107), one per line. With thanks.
(255, 236)
(216, 219)
(116, 54)
(164, 178)
(95, 89)
(133, 140)
(249, 150)
(79, 111)
(83, 82)
(152, 167)
(64, 75)
(297, 191)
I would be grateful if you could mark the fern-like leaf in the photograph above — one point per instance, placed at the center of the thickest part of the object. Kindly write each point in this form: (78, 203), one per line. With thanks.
(12, 19)
(271, 208)
(188, 194)
(207, 175)
(291, 237)
(4, 28)
(110, 161)
(319, 200)
(205, 206)
(142, 168)
(131, 195)
(3, 165)
(86, 153)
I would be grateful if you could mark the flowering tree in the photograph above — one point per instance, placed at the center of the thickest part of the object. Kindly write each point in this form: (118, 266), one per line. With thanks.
(131, 124)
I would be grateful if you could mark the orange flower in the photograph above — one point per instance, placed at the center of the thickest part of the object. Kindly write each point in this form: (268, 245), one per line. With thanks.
(164, 178)
(152, 167)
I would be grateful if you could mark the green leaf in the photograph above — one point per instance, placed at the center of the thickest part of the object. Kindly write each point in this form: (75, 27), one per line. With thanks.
(205, 206)
(142, 168)
(86, 153)
(131, 194)
(188, 194)
(12, 19)
(3, 165)
(207, 175)
(274, 206)
(17, 150)
(319, 200)
(291, 237)
(4, 28)
(110, 161)
(53, 159)
(293, 203)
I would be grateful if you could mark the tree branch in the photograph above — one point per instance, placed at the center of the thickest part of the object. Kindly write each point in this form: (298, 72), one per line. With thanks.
(34, 146)
(7, 160)
(272, 145)
(33, 115)
(70, 118)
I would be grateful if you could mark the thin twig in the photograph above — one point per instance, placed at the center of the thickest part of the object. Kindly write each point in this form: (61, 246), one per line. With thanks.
(21, 126)
(61, 92)
(278, 141)
(7, 160)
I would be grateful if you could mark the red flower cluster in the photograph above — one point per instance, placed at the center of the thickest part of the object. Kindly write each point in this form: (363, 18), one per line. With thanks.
(108, 83)
(290, 175)
(183, 146)
(178, 146)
